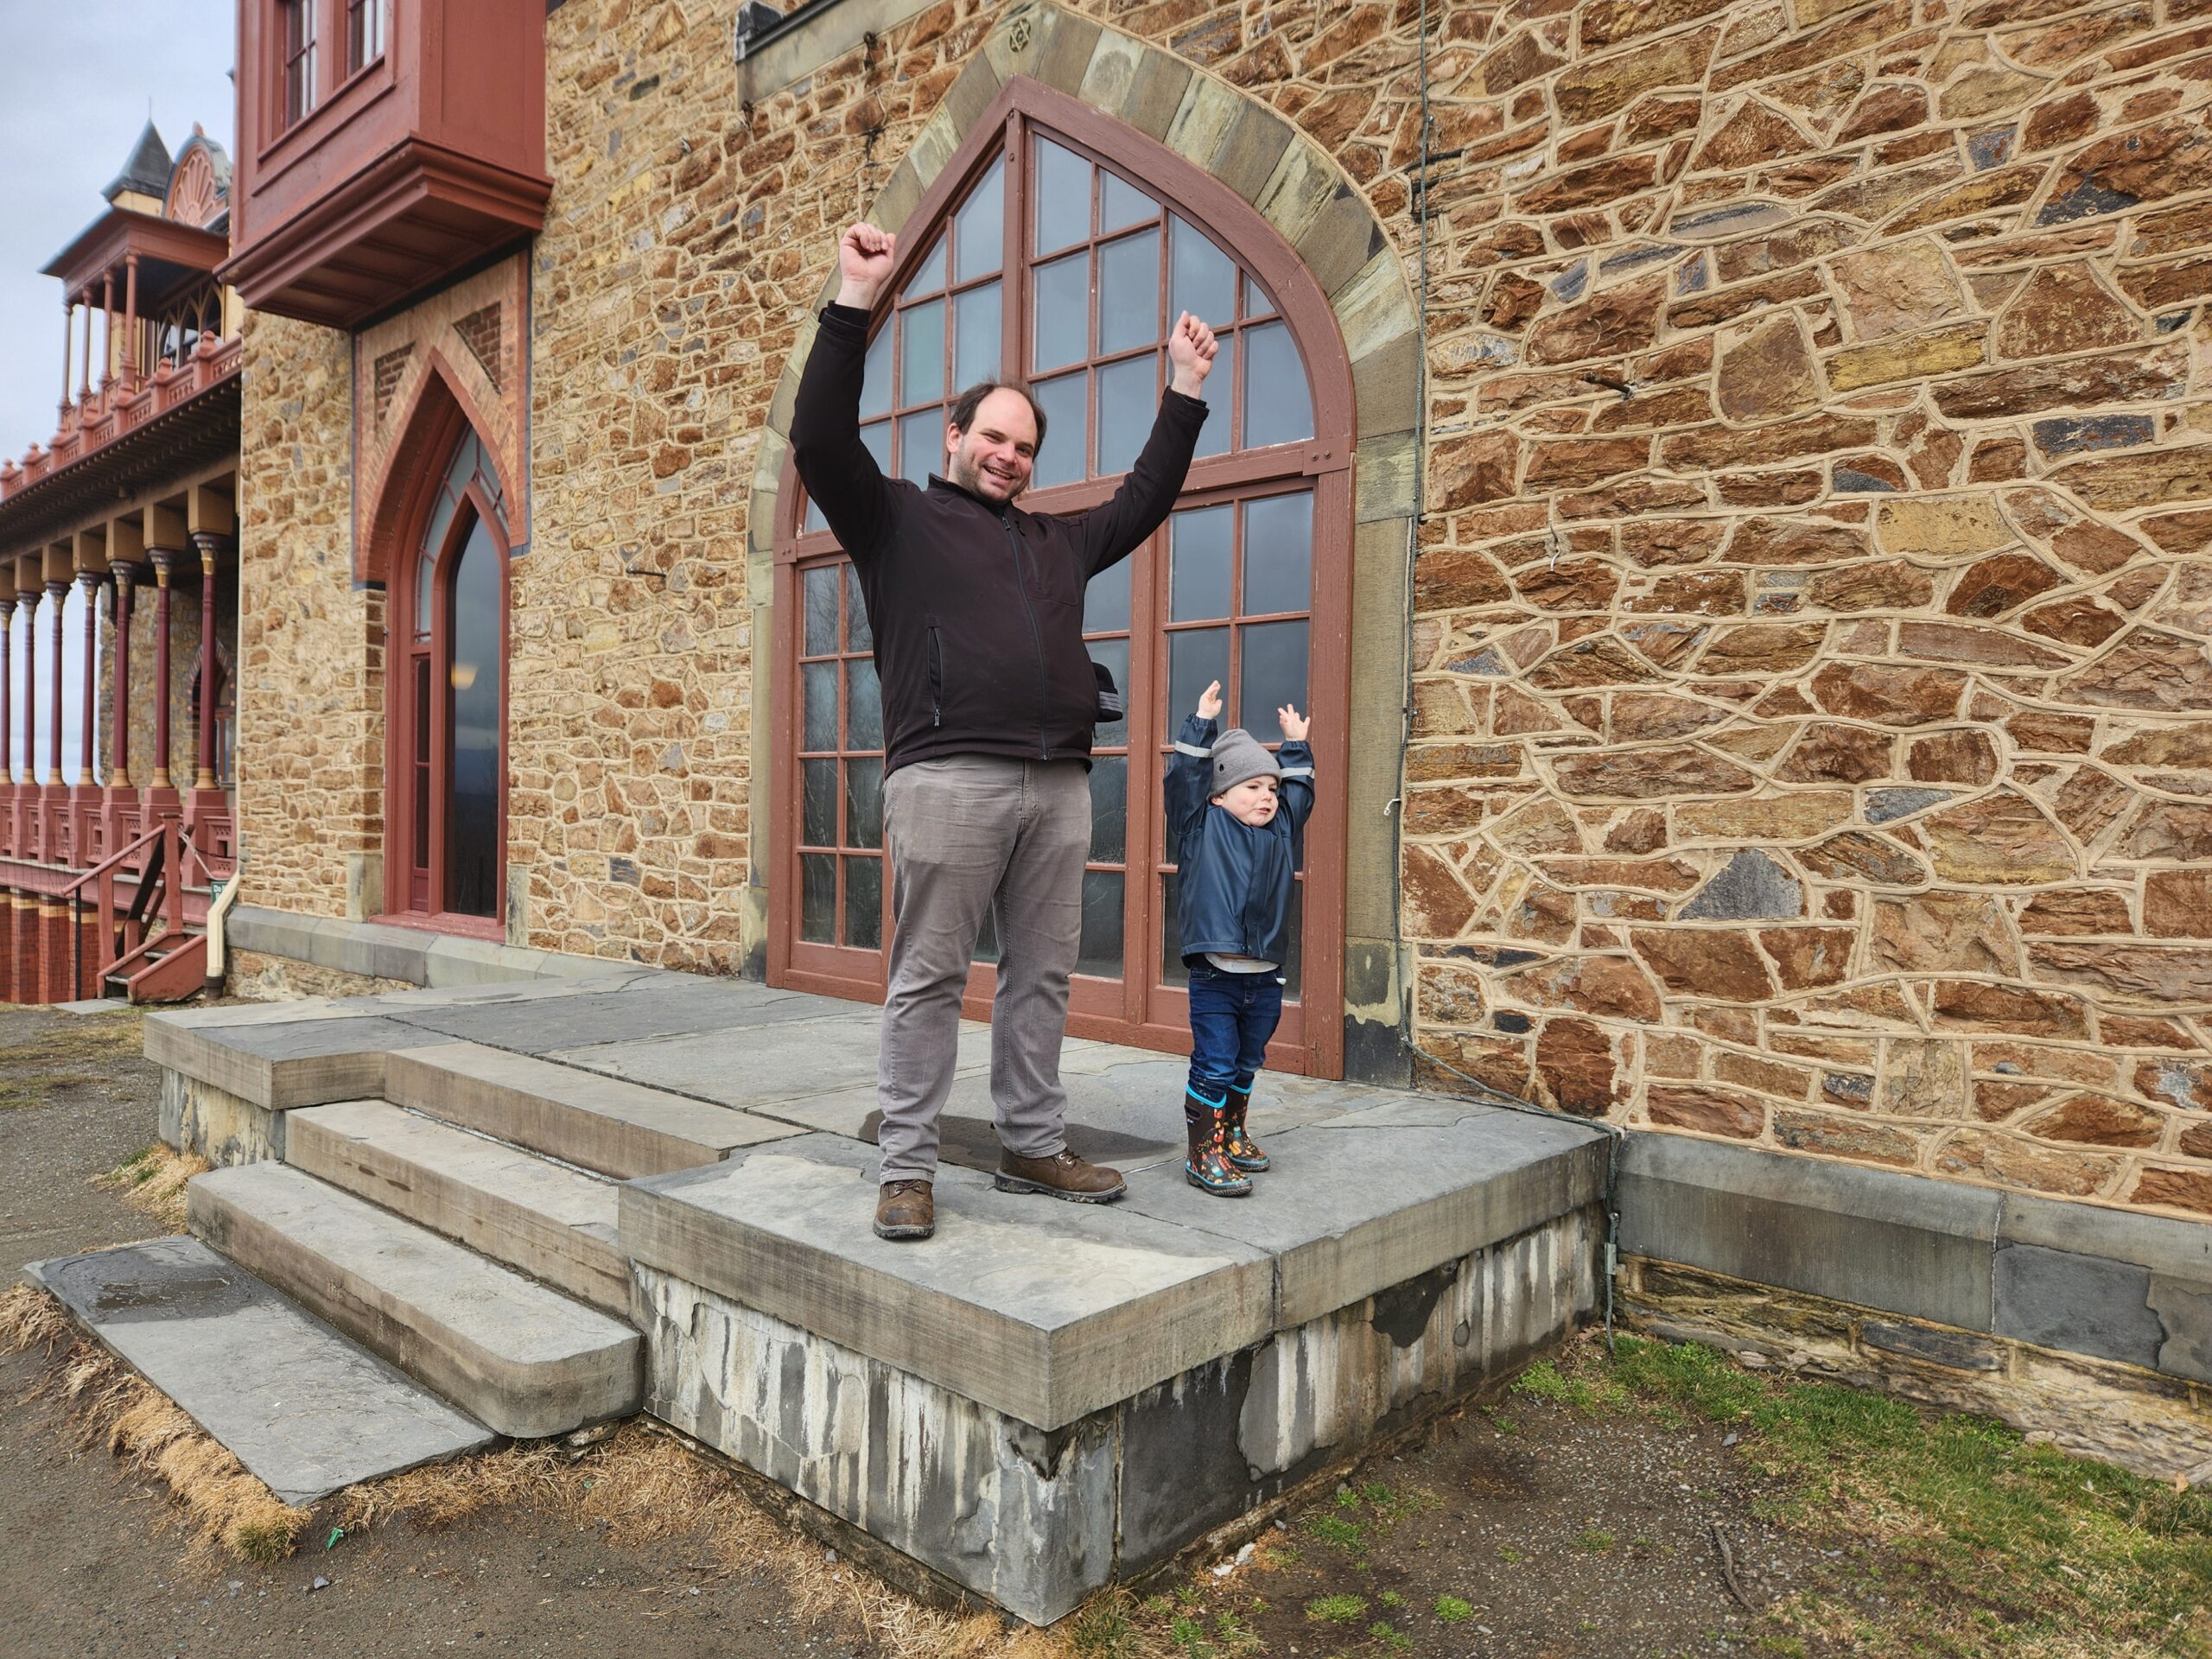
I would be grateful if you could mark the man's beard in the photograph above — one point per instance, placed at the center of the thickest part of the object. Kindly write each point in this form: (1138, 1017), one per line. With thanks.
(973, 479)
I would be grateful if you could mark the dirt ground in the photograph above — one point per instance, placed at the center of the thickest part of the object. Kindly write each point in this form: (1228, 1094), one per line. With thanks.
(1548, 1524)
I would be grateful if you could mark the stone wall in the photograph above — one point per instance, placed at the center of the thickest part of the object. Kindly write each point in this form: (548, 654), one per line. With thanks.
(310, 723)
(1810, 699)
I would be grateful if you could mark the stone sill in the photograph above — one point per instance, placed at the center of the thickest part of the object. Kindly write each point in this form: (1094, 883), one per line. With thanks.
(380, 950)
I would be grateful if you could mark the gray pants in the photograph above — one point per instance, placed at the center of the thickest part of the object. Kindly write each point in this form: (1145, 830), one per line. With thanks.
(968, 834)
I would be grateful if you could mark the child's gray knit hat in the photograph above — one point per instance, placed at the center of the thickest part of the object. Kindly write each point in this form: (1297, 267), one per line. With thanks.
(1236, 756)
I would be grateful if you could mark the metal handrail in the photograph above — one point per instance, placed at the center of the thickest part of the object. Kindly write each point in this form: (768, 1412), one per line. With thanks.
(163, 869)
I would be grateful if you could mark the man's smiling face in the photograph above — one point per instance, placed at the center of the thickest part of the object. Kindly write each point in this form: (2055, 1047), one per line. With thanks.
(995, 455)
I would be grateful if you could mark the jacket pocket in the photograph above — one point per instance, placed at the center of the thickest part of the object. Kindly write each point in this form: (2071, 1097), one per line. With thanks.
(936, 675)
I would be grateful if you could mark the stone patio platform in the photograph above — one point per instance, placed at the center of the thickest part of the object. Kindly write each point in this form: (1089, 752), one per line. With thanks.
(1043, 1397)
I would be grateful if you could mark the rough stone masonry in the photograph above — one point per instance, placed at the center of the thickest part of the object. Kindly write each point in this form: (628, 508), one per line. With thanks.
(1810, 688)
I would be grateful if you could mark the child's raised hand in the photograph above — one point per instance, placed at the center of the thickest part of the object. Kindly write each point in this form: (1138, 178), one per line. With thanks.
(1210, 702)
(1294, 724)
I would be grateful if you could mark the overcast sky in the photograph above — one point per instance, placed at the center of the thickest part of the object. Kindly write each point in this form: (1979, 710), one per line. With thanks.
(76, 81)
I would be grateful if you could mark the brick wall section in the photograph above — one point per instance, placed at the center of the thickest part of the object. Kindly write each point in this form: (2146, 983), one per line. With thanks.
(1810, 701)
(310, 730)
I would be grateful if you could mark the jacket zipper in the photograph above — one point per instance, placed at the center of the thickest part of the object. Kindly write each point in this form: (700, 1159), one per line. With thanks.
(1036, 638)
(937, 677)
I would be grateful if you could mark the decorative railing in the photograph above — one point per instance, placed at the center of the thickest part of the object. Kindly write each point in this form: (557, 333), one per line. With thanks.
(92, 423)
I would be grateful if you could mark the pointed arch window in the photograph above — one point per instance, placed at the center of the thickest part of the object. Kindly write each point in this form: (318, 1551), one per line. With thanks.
(446, 846)
(1061, 248)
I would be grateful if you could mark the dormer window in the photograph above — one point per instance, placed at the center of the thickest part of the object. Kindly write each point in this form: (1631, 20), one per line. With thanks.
(363, 33)
(296, 31)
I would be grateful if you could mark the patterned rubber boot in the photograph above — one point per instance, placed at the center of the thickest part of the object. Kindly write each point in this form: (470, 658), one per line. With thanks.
(1239, 1149)
(1208, 1168)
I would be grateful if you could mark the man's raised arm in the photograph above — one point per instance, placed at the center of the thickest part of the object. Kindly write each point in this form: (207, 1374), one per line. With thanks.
(841, 476)
(1112, 532)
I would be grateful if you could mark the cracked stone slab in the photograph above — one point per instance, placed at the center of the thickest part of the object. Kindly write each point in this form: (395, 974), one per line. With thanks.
(305, 1410)
(670, 1005)
(1368, 1200)
(1041, 1309)
(759, 1066)
(279, 1064)
(1125, 1108)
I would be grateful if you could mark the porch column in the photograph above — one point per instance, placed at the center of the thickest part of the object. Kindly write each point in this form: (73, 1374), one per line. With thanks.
(160, 796)
(130, 320)
(26, 821)
(118, 772)
(68, 352)
(107, 325)
(53, 843)
(85, 368)
(208, 543)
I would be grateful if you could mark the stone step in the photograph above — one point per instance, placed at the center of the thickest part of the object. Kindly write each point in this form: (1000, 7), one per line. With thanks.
(554, 1223)
(521, 1359)
(306, 1411)
(621, 1129)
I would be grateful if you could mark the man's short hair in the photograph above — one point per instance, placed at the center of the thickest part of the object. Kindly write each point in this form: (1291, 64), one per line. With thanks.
(965, 405)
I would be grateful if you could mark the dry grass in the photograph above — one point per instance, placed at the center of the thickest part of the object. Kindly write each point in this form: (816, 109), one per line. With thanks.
(106, 1402)
(65, 1054)
(153, 1183)
(647, 1486)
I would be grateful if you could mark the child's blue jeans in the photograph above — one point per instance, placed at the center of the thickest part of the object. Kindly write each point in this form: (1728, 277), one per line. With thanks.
(1232, 1016)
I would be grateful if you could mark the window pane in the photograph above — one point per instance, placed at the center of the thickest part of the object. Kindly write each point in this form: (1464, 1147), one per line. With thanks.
(1109, 808)
(858, 636)
(1114, 655)
(1102, 924)
(818, 817)
(1198, 549)
(921, 354)
(929, 275)
(426, 587)
(1128, 397)
(864, 903)
(1120, 203)
(1106, 602)
(1276, 407)
(1063, 186)
(1279, 554)
(1062, 321)
(864, 802)
(1066, 439)
(863, 705)
(817, 901)
(1128, 293)
(921, 445)
(814, 520)
(877, 437)
(1171, 971)
(1204, 281)
(1219, 391)
(1275, 673)
(818, 683)
(979, 228)
(875, 375)
(821, 610)
(473, 774)
(1256, 302)
(975, 336)
(420, 858)
(1195, 657)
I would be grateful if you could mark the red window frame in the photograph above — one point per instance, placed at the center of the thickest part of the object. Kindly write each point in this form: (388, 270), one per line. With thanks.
(1138, 1007)
(297, 90)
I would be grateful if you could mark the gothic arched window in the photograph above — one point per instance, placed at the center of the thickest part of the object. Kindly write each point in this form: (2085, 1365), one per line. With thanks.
(1059, 250)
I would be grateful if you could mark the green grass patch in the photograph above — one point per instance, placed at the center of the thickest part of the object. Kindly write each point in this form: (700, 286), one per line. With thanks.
(1981, 1541)
(1449, 1610)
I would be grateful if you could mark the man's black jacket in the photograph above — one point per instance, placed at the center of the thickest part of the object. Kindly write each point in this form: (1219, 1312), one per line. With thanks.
(977, 610)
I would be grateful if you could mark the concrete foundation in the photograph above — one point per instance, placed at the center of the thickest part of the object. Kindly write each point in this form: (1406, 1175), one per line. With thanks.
(1036, 1520)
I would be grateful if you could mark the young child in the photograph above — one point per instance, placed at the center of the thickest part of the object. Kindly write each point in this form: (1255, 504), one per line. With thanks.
(1236, 812)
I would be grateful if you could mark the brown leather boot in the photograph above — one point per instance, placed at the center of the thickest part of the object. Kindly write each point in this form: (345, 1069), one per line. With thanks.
(904, 1209)
(1062, 1175)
